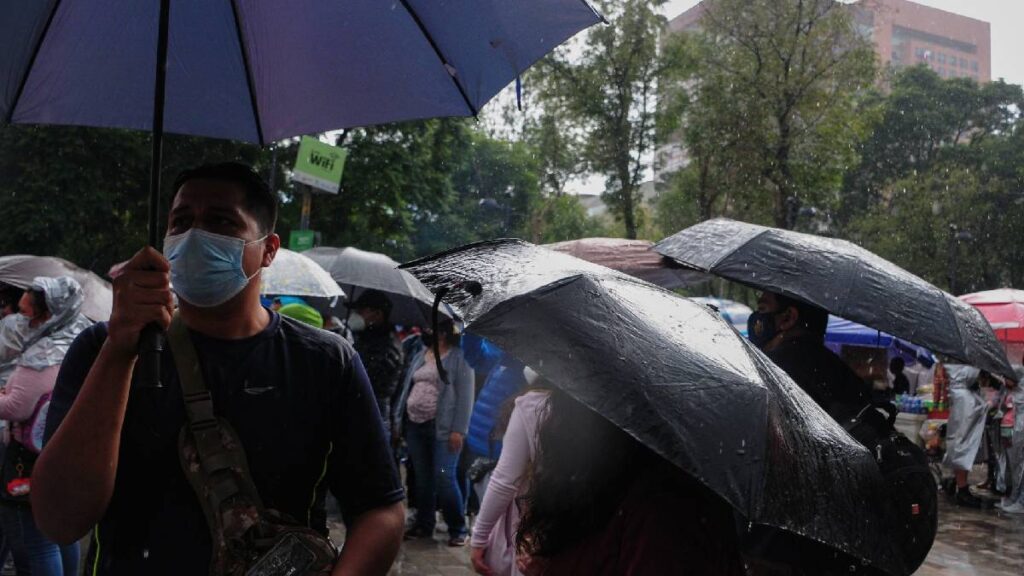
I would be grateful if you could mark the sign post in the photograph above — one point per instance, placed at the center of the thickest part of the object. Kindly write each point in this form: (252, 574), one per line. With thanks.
(318, 166)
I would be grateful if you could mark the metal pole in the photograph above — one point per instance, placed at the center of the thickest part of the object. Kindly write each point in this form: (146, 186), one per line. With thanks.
(307, 205)
(153, 340)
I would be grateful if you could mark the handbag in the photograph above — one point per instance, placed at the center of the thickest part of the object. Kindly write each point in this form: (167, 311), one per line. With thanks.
(248, 538)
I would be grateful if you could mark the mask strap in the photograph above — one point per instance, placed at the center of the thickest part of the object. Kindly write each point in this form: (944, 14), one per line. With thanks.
(260, 269)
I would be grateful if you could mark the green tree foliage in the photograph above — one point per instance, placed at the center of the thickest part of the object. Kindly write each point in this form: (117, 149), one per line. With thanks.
(773, 105)
(606, 93)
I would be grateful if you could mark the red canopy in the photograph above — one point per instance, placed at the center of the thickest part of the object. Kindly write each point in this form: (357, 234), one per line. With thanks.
(1004, 310)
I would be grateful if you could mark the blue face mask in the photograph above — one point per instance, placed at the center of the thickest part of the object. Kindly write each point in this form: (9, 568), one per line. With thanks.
(761, 328)
(206, 268)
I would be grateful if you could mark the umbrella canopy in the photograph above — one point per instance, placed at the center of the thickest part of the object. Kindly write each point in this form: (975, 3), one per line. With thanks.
(733, 312)
(844, 279)
(358, 270)
(633, 257)
(672, 373)
(264, 71)
(20, 270)
(1004, 310)
(292, 274)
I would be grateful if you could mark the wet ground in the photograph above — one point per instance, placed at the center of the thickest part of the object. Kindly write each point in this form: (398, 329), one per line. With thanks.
(969, 543)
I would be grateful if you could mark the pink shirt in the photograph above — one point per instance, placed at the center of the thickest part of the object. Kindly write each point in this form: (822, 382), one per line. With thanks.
(498, 521)
(426, 388)
(18, 399)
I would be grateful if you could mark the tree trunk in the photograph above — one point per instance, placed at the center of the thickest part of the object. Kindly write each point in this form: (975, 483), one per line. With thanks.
(629, 211)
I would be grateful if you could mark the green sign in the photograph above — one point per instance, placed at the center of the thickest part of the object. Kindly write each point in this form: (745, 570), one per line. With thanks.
(319, 165)
(300, 240)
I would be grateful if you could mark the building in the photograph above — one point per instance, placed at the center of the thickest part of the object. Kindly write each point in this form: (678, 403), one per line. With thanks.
(906, 34)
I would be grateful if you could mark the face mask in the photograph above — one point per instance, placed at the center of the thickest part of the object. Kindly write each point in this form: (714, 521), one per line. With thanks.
(356, 323)
(206, 268)
(761, 328)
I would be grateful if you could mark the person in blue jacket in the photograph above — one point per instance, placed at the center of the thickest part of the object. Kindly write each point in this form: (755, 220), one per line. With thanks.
(504, 380)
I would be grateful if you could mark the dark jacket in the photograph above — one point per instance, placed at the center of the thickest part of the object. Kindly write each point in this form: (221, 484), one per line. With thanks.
(381, 353)
(822, 375)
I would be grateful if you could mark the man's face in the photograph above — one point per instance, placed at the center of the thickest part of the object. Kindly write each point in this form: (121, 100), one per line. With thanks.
(766, 303)
(219, 207)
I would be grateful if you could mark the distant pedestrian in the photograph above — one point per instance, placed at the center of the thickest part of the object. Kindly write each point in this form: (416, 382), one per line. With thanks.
(900, 383)
(378, 347)
(436, 413)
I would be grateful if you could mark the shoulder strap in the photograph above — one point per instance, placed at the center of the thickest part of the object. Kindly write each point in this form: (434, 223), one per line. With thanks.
(198, 402)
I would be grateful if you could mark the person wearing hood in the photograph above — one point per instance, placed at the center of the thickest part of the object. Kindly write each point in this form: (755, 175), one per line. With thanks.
(1014, 502)
(965, 430)
(50, 313)
(378, 347)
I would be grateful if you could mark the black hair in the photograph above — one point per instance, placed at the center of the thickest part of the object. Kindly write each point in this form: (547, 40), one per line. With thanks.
(9, 296)
(812, 318)
(897, 364)
(584, 466)
(259, 200)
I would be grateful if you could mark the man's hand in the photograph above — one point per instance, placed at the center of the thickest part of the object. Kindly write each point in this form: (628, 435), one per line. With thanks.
(142, 295)
(455, 442)
(480, 566)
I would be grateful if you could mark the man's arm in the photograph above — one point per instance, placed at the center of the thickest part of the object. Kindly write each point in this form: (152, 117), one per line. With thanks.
(372, 543)
(73, 480)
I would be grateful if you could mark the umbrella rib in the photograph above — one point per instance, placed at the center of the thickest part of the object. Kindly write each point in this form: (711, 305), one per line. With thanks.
(451, 71)
(248, 71)
(32, 62)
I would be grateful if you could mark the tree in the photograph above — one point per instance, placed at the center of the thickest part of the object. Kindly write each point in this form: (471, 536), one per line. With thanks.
(774, 102)
(926, 121)
(608, 92)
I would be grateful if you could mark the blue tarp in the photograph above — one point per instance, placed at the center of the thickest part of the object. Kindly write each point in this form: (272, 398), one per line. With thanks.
(846, 333)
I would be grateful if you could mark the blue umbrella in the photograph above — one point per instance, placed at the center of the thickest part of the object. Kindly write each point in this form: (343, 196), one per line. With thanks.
(262, 71)
(844, 332)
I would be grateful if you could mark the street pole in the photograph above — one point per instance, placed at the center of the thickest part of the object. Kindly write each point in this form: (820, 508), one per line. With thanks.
(307, 204)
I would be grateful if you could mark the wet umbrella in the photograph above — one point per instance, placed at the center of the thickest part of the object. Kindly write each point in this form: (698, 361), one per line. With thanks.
(264, 71)
(676, 376)
(844, 279)
(358, 270)
(633, 257)
(293, 274)
(20, 270)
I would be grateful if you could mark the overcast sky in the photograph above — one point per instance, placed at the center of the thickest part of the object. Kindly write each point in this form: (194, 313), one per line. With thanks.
(1005, 16)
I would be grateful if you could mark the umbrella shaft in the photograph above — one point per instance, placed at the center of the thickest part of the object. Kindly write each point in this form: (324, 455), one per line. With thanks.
(158, 121)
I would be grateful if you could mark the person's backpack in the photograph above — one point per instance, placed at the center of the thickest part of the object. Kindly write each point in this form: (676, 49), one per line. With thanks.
(910, 486)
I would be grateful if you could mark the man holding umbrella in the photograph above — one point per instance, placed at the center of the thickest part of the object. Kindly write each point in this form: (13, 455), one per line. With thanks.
(792, 334)
(113, 458)
(378, 347)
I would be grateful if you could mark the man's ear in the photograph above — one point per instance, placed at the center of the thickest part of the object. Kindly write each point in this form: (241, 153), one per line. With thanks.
(270, 246)
(789, 318)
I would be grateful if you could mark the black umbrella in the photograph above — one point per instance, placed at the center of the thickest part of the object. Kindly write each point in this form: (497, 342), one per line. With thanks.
(673, 374)
(844, 279)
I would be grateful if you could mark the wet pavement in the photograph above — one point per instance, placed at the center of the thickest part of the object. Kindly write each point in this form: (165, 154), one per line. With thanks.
(969, 543)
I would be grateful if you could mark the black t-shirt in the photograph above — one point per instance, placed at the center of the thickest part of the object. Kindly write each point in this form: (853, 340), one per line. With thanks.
(299, 399)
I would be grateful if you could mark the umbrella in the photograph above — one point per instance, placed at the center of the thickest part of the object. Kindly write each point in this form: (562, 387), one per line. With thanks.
(292, 274)
(672, 373)
(733, 312)
(844, 279)
(20, 270)
(1004, 310)
(358, 270)
(633, 257)
(264, 71)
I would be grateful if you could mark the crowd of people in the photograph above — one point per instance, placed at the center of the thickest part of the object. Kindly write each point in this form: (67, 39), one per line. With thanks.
(188, 478)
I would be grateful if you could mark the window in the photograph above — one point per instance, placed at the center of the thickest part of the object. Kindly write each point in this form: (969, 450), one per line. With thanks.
(941, 58)
(963, 63)
(974, 65)
(919, 53)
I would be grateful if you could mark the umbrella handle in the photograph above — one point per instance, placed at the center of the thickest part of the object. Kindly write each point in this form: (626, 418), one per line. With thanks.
(152, 342)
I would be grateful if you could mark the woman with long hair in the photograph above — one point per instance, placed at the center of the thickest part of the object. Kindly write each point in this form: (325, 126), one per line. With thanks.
(601, 503)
